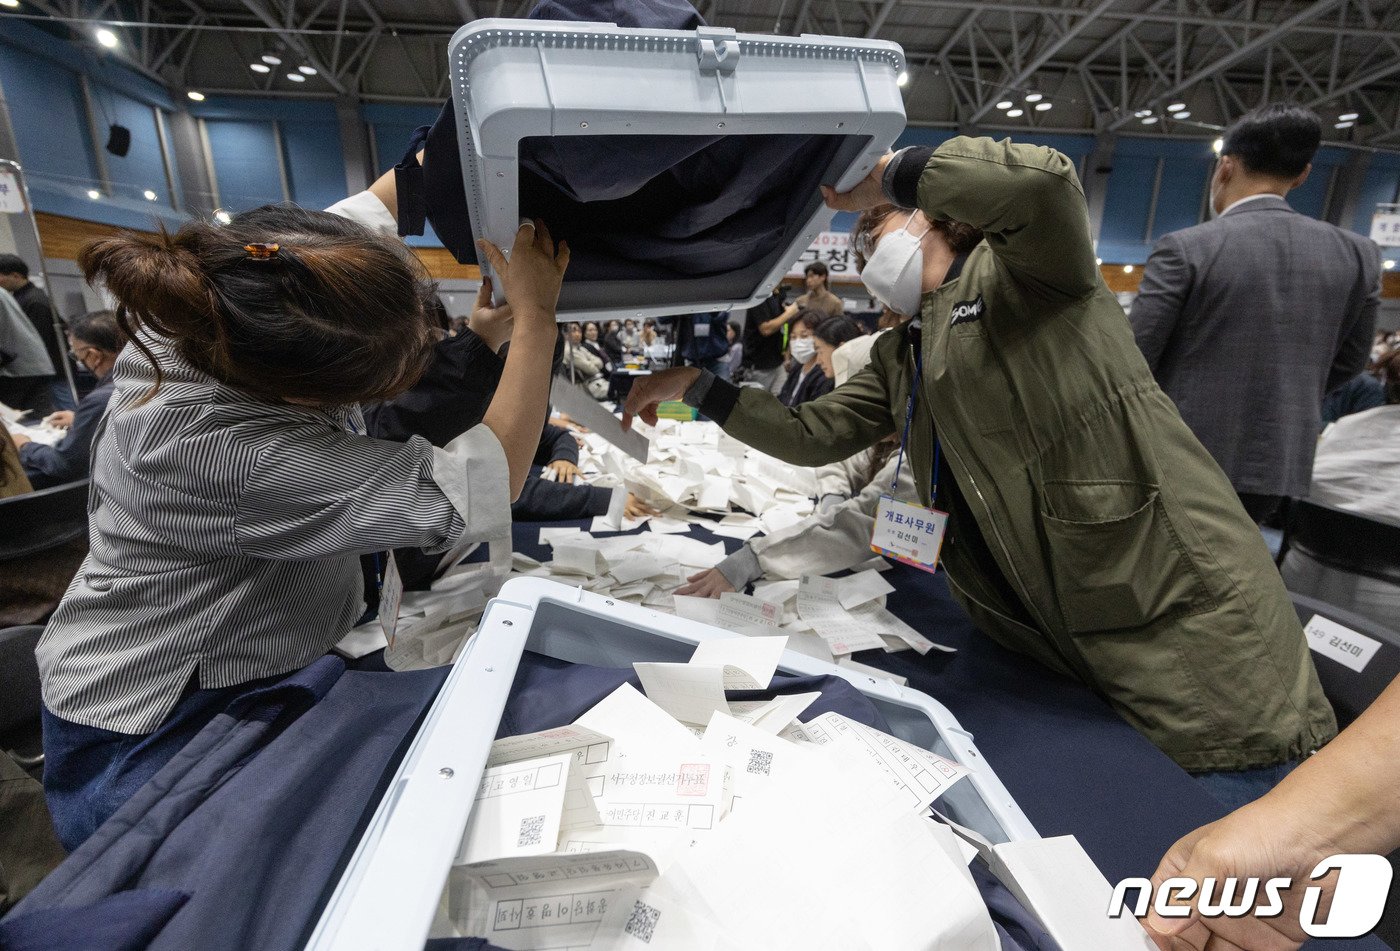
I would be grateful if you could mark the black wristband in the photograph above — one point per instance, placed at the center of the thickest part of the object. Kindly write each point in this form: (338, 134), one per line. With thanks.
(901, 179)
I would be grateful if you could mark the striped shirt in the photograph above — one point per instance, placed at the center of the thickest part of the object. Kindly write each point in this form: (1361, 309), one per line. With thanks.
(225, 537)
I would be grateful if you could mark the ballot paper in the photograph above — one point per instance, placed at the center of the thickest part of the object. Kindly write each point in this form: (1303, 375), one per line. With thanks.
(585, 745)
(876, 619)
(552, 535)
(920, 776)
(772, 716)
(857, 589)
(635, 723)
(547, 901)
(665, 525)
(688, 692)
(738, 612)
(575, 557)
(518, 809)
(747, 663)
(818, 604)
(573, 399)
(752, 755)
(704, 610)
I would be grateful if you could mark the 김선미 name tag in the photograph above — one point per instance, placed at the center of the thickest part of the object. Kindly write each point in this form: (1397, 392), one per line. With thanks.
(908, 533)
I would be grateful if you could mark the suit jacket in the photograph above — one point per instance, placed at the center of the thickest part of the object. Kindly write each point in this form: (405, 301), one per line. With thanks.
(70, 459)
(1247, 322)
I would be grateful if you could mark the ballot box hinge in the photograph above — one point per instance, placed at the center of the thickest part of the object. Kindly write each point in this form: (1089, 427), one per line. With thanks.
(717, 49)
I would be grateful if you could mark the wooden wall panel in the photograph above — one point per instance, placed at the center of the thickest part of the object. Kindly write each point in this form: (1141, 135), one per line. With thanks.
(64, 237)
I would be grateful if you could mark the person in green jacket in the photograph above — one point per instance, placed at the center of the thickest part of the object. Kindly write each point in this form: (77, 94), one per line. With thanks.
(1087, 527)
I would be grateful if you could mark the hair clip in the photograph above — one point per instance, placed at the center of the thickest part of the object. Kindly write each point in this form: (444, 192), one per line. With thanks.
(262, 252)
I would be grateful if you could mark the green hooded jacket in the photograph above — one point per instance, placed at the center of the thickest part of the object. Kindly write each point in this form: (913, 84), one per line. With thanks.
(1088, 527)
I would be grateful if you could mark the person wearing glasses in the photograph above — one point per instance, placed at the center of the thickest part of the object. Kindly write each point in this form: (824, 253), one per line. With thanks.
(94, 340)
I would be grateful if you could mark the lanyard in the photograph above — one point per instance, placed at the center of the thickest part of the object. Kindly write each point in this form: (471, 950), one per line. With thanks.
(904, 439)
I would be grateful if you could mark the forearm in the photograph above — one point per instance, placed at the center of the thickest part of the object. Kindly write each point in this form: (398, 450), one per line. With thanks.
(769, 327)
(518, 409)
(1025, 198)
(1346, 798)
(385, 189)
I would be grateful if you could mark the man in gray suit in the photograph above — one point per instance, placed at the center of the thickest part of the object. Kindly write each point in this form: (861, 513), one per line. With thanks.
(1248, 320)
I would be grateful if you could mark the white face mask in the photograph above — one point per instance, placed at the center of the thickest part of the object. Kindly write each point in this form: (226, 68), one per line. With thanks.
(802, 350)
(894, 274)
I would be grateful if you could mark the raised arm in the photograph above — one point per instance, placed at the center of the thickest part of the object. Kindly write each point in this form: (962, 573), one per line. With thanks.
(1025, 198)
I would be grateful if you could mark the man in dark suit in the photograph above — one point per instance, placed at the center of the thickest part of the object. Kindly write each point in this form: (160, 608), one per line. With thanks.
(14, 277)
(1250, 319)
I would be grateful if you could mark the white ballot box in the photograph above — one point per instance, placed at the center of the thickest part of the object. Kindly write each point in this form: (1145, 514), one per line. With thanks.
(390, 892)
(523, 88)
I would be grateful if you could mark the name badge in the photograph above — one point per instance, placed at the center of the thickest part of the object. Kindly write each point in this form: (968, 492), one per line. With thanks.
(390, 596)
(702, 329)
(908, 533)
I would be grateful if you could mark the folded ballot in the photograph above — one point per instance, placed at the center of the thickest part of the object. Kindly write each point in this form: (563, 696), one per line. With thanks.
(678, 819)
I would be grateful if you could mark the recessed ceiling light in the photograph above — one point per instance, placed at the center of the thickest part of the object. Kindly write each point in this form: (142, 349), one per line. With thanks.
(1389, 265)
(271, 59)
(1150, 120)
(1176, 107)
(311, 71)
(106, 37)
(260, 67)
(1043, 106)
(1182, 115)
(195, 95)
(296, 77)
(222, 217)
(1005, 104)
(1034, 96)
(1345, 125)
(1127, 269)
(94, 194)
(150, 195)
(1143, 113)
(1015, 113)
(1218, 146)
(1098, 261)
(9, 3)
(1349, 116)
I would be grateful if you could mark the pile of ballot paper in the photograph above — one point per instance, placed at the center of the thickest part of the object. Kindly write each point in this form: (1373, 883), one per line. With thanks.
(682, 820)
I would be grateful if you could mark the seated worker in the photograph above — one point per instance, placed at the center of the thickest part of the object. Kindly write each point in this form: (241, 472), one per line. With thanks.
(805, 380)
(581, 365)
(95, 341)
(233, 489)
(1087, 527)
(835, 538)
(593, 343)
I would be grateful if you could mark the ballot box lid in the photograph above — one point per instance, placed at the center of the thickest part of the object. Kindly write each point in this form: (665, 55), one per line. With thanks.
(389, 892)
(681, 165)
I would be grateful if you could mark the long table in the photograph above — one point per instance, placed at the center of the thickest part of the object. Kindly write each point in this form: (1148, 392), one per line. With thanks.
(1073, 765)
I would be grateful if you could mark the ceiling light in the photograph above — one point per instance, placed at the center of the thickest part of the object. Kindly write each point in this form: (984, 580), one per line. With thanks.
(106, 37)
(1349, 116)
(1127, 269)
(1218, 146)
(1143, 113)
(1043, 106)
(311, 71)
(1004, 105)
(1150, 120)
(1182, 115)
(94, 194)
(1389, 265)
(150, 195)
(195, 95)
(1345, 125)
(9, 3)
(1034, 96)
(296, 77)
(1098, 261)
(1015, 113)
(222, 217)
(271, 59)
(1176, 107)
(260, 67)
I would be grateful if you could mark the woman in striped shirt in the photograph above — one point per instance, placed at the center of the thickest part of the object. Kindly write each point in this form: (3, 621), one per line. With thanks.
(233, 488)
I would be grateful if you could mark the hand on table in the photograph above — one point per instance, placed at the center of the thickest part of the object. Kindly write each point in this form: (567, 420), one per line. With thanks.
(1256, 841)
(650, 391)
(636, 508)
(707, 584)
(63, 419)
(564, 471)
(868, 193)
